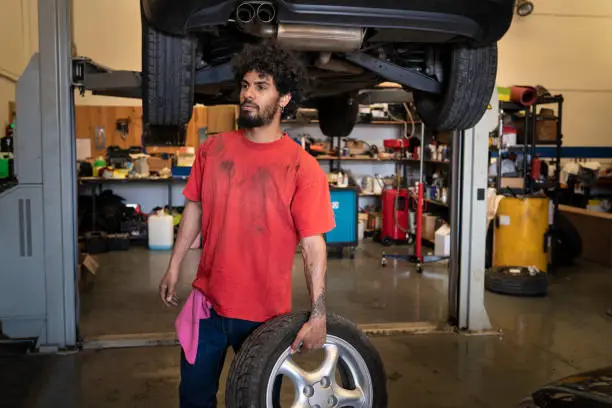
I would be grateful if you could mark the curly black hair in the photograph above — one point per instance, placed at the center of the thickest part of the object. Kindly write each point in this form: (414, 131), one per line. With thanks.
(282, 65)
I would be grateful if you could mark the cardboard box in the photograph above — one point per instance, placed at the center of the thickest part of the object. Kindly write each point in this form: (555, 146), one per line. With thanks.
(442, 241)
(546, 130)
(513, 182)
(429, 227)
(87, 270)
(374, 221)
(158, 164)
(222, 118)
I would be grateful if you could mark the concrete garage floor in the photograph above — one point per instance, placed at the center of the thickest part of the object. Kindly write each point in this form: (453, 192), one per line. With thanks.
(541, 340)
(123, 298)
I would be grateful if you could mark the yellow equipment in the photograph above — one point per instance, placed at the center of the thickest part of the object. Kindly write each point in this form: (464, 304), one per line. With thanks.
(520, 237)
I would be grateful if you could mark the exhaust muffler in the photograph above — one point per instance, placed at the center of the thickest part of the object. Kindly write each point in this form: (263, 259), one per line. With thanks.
(319, 38)
(301, 37)
(254, 17)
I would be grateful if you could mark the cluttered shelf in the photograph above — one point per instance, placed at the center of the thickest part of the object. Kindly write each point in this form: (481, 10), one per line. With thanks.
(149, 180)
(436, 202)
(372, 123)
(539, 100)
(428, 200)
(376, 159)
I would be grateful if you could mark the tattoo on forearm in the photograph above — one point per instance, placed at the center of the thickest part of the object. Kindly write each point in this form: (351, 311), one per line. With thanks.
(318, 307)
(315, 281)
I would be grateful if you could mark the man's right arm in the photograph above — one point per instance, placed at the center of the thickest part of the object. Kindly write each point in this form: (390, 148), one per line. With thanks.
(190, 227)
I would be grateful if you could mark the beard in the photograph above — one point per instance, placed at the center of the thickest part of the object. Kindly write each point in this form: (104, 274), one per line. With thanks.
(259, 117)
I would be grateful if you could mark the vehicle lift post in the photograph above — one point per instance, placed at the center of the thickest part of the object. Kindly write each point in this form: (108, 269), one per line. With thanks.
(38, 284)
(468, 207)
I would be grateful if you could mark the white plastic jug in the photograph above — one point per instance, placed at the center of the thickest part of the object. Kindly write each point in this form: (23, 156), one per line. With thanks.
(161, 231)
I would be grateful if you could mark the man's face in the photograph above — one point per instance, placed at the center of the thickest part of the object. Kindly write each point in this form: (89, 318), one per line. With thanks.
(259, 100)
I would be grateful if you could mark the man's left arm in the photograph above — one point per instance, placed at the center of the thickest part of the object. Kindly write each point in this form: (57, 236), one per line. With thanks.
(313, 215)
(312, 334)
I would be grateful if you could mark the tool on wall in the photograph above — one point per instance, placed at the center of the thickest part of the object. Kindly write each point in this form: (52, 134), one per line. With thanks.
(123, 126)
(100, 138)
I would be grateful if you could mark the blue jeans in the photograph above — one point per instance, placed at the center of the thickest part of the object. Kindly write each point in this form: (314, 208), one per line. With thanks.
(200, 381)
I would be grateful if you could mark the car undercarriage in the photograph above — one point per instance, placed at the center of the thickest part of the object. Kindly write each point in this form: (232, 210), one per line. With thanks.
(447, 57)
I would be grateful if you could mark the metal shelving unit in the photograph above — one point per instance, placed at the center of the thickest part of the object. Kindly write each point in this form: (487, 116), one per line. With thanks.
(528, 149)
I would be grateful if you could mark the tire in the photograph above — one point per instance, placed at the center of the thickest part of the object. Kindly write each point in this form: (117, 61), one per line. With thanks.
(497, 280)
(527, 403)
(168, 75)
(568, 245)
(250, 379)
(470, 75)
(337, 114)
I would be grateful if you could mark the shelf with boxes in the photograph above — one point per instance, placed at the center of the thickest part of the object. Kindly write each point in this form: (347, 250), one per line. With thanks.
(374, 160)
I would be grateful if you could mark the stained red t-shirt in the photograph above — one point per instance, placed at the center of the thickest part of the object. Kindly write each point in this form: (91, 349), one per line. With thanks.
(258, 201)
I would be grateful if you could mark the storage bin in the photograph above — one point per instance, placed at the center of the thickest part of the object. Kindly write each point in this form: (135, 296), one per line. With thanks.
(161, 231)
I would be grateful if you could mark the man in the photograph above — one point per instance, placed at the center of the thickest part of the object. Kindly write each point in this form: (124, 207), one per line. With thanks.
(254, 194)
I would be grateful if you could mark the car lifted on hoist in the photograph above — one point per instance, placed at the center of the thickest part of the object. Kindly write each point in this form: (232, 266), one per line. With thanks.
(444, 51)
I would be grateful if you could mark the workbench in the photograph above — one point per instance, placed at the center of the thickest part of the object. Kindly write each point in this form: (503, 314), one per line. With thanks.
(142, 191)
(595, 229)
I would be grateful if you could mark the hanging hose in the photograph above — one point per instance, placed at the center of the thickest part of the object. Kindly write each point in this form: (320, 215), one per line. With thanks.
(409, 113)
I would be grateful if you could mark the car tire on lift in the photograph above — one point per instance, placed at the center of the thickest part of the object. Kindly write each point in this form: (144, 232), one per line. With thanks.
(500, 280)
(251, 377)
(337, 114)
(470, 75)
(168, 81)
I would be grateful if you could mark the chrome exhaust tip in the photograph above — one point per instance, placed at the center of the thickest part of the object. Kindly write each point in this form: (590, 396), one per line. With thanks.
(266, 13)
(245, 13)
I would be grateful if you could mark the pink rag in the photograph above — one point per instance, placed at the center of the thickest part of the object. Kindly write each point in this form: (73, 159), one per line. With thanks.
(187, 323)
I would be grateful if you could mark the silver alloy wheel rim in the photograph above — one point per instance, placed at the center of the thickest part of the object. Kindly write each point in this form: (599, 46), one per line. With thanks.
(319, 387)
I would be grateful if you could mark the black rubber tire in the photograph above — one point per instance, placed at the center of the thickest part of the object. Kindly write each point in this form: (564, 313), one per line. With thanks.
(500, 282)
(168, 78)
(470, 74)
(255, 360)
(337, 114)
(568, 246)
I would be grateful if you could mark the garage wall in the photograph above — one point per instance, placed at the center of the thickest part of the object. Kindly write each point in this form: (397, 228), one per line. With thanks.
(561, 46)
(18, 32)
(108, 31)
(7, 93)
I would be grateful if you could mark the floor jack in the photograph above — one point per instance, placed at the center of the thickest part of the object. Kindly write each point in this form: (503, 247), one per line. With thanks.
(418, 257)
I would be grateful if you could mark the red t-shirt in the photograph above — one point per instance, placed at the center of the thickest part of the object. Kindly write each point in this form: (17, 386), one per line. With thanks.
(258, 200)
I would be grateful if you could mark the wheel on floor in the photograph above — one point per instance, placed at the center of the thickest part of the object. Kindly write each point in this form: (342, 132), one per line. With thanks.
(516, 281)
(419, 268)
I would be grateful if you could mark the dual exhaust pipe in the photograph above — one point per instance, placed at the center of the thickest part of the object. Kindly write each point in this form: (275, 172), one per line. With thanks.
(255, 18)
(260, 12)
